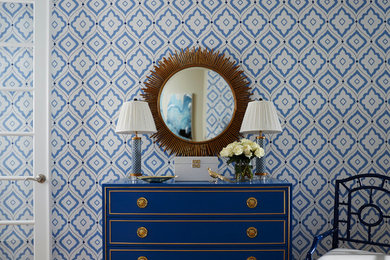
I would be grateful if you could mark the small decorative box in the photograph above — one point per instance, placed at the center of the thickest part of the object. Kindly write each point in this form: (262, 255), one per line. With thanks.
(190, 168)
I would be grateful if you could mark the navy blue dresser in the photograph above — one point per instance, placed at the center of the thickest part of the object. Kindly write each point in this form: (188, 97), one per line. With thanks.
(197, 220)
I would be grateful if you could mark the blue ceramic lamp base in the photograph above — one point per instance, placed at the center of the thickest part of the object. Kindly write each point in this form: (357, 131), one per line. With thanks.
(260, 162)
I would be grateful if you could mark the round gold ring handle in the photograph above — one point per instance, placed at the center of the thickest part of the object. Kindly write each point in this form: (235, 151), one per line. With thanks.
(251, 202)
(144, 258)
(251, 258)
(251, 232)
(142, 202)
(142, 232)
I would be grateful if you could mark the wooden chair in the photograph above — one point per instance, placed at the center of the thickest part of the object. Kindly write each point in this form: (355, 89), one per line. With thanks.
(361, 219)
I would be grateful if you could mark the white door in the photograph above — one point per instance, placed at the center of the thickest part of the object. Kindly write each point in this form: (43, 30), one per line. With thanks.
(24, 203)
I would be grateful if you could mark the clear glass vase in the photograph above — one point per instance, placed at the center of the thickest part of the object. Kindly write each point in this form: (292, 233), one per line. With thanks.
(243, 171)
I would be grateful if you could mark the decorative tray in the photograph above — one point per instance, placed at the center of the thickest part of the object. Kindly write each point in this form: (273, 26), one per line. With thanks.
(155, 179)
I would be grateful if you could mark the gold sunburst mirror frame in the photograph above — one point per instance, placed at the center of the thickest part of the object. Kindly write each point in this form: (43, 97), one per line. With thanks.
(188, 58)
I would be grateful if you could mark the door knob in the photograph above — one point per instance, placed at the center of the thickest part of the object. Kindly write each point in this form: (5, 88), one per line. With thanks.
(40, 178)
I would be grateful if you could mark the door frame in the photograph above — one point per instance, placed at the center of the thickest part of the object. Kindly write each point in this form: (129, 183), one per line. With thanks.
(41, 139)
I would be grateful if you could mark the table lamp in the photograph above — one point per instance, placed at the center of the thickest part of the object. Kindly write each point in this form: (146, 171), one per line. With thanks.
(260, 118)
(135, 118)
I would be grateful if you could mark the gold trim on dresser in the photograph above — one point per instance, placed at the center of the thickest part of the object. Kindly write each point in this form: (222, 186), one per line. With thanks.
(251, 231)
(196, 250)
(288, 222)
(187, 190)
(186, 250)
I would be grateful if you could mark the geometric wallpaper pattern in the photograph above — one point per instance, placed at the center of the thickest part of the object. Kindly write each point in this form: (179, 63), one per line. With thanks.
(219, 110)
(324, 64)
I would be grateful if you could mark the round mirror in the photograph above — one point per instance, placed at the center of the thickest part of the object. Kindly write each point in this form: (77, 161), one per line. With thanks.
(197, 104)
(198, 99)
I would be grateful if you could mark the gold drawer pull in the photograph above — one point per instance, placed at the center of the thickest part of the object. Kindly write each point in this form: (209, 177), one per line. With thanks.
(144, 258)
(142, 202)
(251, 258)
(251, 202)
(251, 232)
(142, 232)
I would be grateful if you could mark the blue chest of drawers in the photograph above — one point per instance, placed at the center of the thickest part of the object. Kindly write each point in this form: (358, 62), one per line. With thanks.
(197, 220)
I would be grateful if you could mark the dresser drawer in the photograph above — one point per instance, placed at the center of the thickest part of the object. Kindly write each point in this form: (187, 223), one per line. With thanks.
(253, 201)
(266, 254)
(196, 232)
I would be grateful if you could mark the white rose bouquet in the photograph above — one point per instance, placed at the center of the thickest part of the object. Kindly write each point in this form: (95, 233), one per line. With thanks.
(241, 153)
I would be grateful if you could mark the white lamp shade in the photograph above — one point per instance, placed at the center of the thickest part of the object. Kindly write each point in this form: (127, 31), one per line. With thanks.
(260, 116)
(135, 118)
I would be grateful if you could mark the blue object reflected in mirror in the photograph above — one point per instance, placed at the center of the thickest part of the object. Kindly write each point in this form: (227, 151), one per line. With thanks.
(179, 115)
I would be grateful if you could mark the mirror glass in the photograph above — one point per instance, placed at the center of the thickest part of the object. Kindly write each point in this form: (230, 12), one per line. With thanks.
(197, 104)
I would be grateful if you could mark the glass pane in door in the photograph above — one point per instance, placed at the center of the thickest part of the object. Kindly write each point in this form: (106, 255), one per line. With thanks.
(16, 22)
(16, 201)
(16, 67)
(16, 156)
(16, 115)
(16, 242)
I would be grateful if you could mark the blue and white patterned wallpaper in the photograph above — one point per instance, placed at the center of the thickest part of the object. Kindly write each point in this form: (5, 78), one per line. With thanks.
(219, 110)
(323, 63)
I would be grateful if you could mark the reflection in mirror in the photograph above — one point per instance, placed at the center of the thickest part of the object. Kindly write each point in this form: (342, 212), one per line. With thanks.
(197, 104)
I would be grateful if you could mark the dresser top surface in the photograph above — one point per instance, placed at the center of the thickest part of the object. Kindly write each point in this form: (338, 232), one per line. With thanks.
(266, 182)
